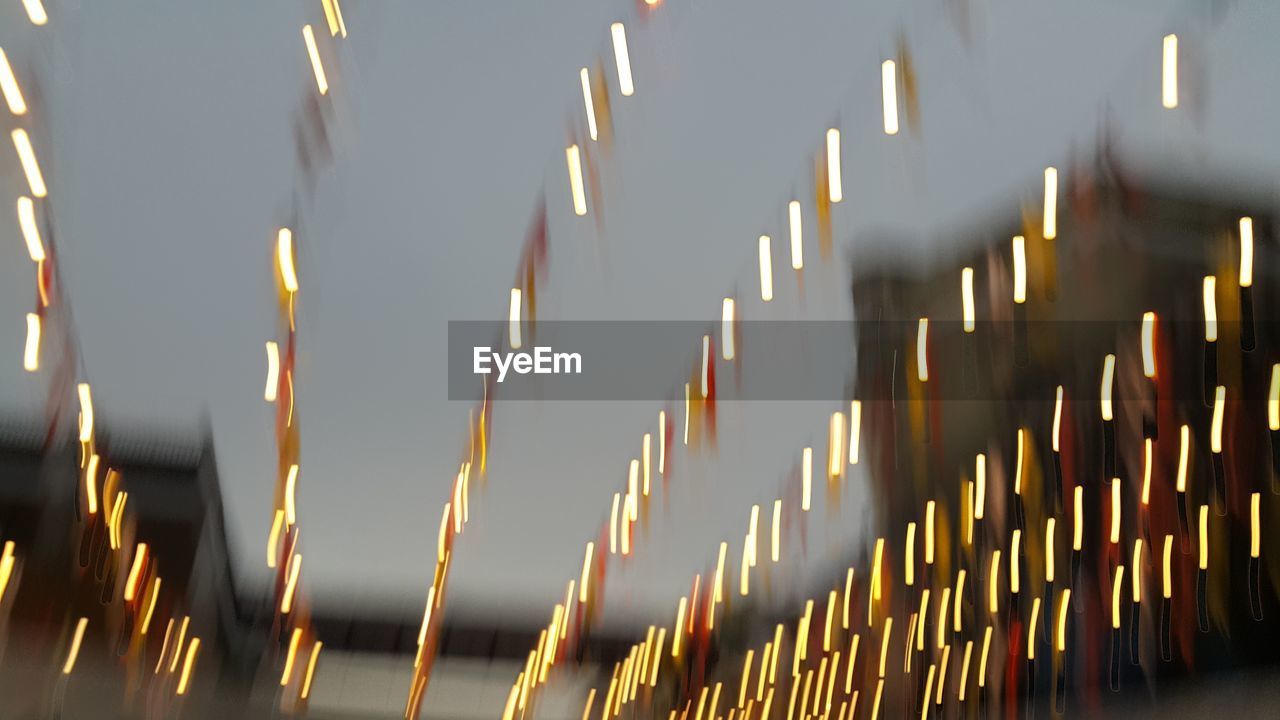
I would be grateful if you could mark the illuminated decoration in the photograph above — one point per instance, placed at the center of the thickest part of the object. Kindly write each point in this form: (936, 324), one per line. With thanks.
(1019, 270)
(30, 167)
(796, 225)
(574, 160)
(1169, 74)
(889, 89)
(1050, 217)
(623, 60)
(587, 104)
(309, 37)
(966, 298)
(835, 191)
(766, 270)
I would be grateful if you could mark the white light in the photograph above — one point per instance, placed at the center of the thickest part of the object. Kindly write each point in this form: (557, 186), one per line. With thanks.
(574, 159)
(726, 329)
(625, 85)
(766, 270)
(587, 103)
(513, 320)
(797, 237)
(1019, 269)
(834, 189)
(889, 89)
(966, 298)
(1050, 203)
(1169, 84)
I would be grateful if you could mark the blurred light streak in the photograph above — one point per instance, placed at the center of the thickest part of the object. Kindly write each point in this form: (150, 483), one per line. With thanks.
(1184, 457)
(929, 511)
(1169, 73)
(513, 320)
(164, 646)
(980, 486)
(309, 37)
(31, 168)
(766, 269)
(775, 545)
(91, 484)
(291, 586)
(1050, 525)
(623, 60)
(1057, 420)
(1015, 557)
(1147, 460)
(333, 16)
(993, 584)
(613, 525)
(958, 621)
(290, 494)
(1219, 408)
(30, 229)
(876, 575)
(1063, 602)
(74, 651)
(1116, 586)
(1137, 570)
(855, 430)
(1204, 537)
(311, 669)
(588, 104)
(922, 349)
(746, 676)
(1115, 511)
(806, 479)
(35, 12)
(586, 572)
(6, 566)
(1106, 391)
(1273, 399)
(1050, 219)
(1031, 632)
(964, 667)
(188, 665)
(706, 366)
(574, 159)
(834, 187)
(718, 588)
(1021, 460)
(686, 413)
(1019, 270)
(151, 606)
(966, 298)
(86, 412)
(884, 644)
(292, 654)
(982, 662)
(678, 630)
(889, 91)
(1149, 344)
(1210, 309)
(726, 331)
(633, 489)
(1077, 518)
(835, 445)
(273, 371)
(284, 255)
(135, 572)
(753, 527)
(1246, 252)
(31, 351)
(1166, 585)
(909, 556)
(1255, 527)
(796, 222)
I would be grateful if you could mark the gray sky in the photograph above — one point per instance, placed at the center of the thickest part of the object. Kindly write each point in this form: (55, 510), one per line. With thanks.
(171, 162)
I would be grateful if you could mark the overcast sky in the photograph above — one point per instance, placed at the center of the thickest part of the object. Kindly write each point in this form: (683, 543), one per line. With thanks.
(167, 142)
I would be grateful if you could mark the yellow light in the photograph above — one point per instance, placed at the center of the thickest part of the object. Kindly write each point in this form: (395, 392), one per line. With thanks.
(766, 270)
(773, 661)
(884, 643)
(86, 412)
(586, 572)
(855, 426)
(775, 545)
(1017, 468)
(290, 495)
(151, 606)
(657, 656)
(1115, 511)
(928, 692)
(294, 639)
(1116, 586)
(1149, 344)
(1204, 537)
(330, 17)
(922, 349)
(1108, 380)
(1137, 570)
(831, 614)
(135, 572)
(1169, 75)
(35, 11)
(848, 595)
(613, 525)
(753, 527)
(1057, 420)
(284, 254)
(31, 352)
(441, 537)
(91, 484)
(27, 156)
(980, 486)
(291, 586)
(311, 669)
(1062, 619)
(889, 90)
(982, 663)
(1031, 628)
(177, 647)
(797, 234)
(746, 676)
(875, 705)
(628, 511)
(686, 413)
(909, 562)
(76, 639)
(273, 371)
(1255, 526)
(1219, 407)
(1148, 450)
(929, 508)
(1077, 536)
(876, 589)
(1184, 457)
(1210, 309)
(30, 229)
(633, 488)
(958, 609)
(835, 445)
(1246, 252)
(309, 37)
(964, 668)
(189, 665)
(1015, 548)
(993, 581)
(1049, 526)
(942, 616)
(744, 574)
(834, 188)
(1167, 576)
(164, 646)
(6, 567)
(625, 84)
(1273, 399)
(806, 478)
(677, 631)
(588, 104)
(726, 329)
(718, 590)
(966, 298)
(1050, 203)
(574, 159)
(1019, 270)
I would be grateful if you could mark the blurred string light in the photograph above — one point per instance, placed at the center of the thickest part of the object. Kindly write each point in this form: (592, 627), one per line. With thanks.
(966, 298)
(30, 167)
(1050, 219)
(1169, 74)
(1210, 309)
(796, 224)
(766, 269)
(513, 320)
(1149, 344)
(76, 638)
(922, 349)
(574, 160)
(587, 103)
(889, 91)
(31, 352)
(35, 12)
(834, 186)
(188, 666)
(623, 60)
(1246, 252)
(30, 229)
(313, 52)
(333, 16)
(1019, 269)
(273, 371)
(284, 255)
(726, 331)
(9, 87)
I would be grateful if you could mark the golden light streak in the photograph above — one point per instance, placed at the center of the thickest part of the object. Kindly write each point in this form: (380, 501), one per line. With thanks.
(777, 650)
(1255, 527)
(291, 586)
(625, 84)
(290, 496)
(586, 709)
(284, 256)
(633, 489)
(1077, 520)
(573, 158)
(313, 52)
(746, 677)
(914, 637)
(1063, 602)
(1273, 399)
(686, 413)
(964, 668)
(657, 657)
(706, 365)
(1184, 457)
(6, 566)
(613, 525)
(31, 351)
(1031, 631)
(1219, 407)
(796, 223)
(587, 103)
(294, 639)
(76, 639)
(151, 606)
(835, 445)
(875, 706)
(875, 569)
(189, 665)
(909, 556)
(1050, 219)
(966, 298)
(982, 662)
(889, 91)
(1057, 420)
(628, 510)
(853, 662)
(586, 572)
(775, 545)
(715, 701)
(1204, 537)
(135, 572)
(855, 429)
(766, 269)
(1166, 586)
(1017, 468)
(441, 537)
(1019, 270)
(1049, 526)
(1148, 451)
(91, 484)
(1149, 344)
(768, 704)
(922, 349)
(1210, 309)
(744, 574)
(928, 692)
(831, 614)
(884, 643)
(1246, 252)
(993, 579)
(646, 452)
(753, 526)
(662, 442)
(1169, 73)
(509, 710)
(311, 669)
(164, 646)
(1106, 391)
(35, 12)
(1115, 511)
(726, 329)
(1015, 552)
(806, 478)
(273, 371)
(835, 189)
(943, 604)
(980, 486)
(513, 320)
(1117, 585)
(958, 607)
(678, 630)
(928, 532)
(30, 229)
(31, 168)
(86, 412)
(718, 589)
(1137, 570)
